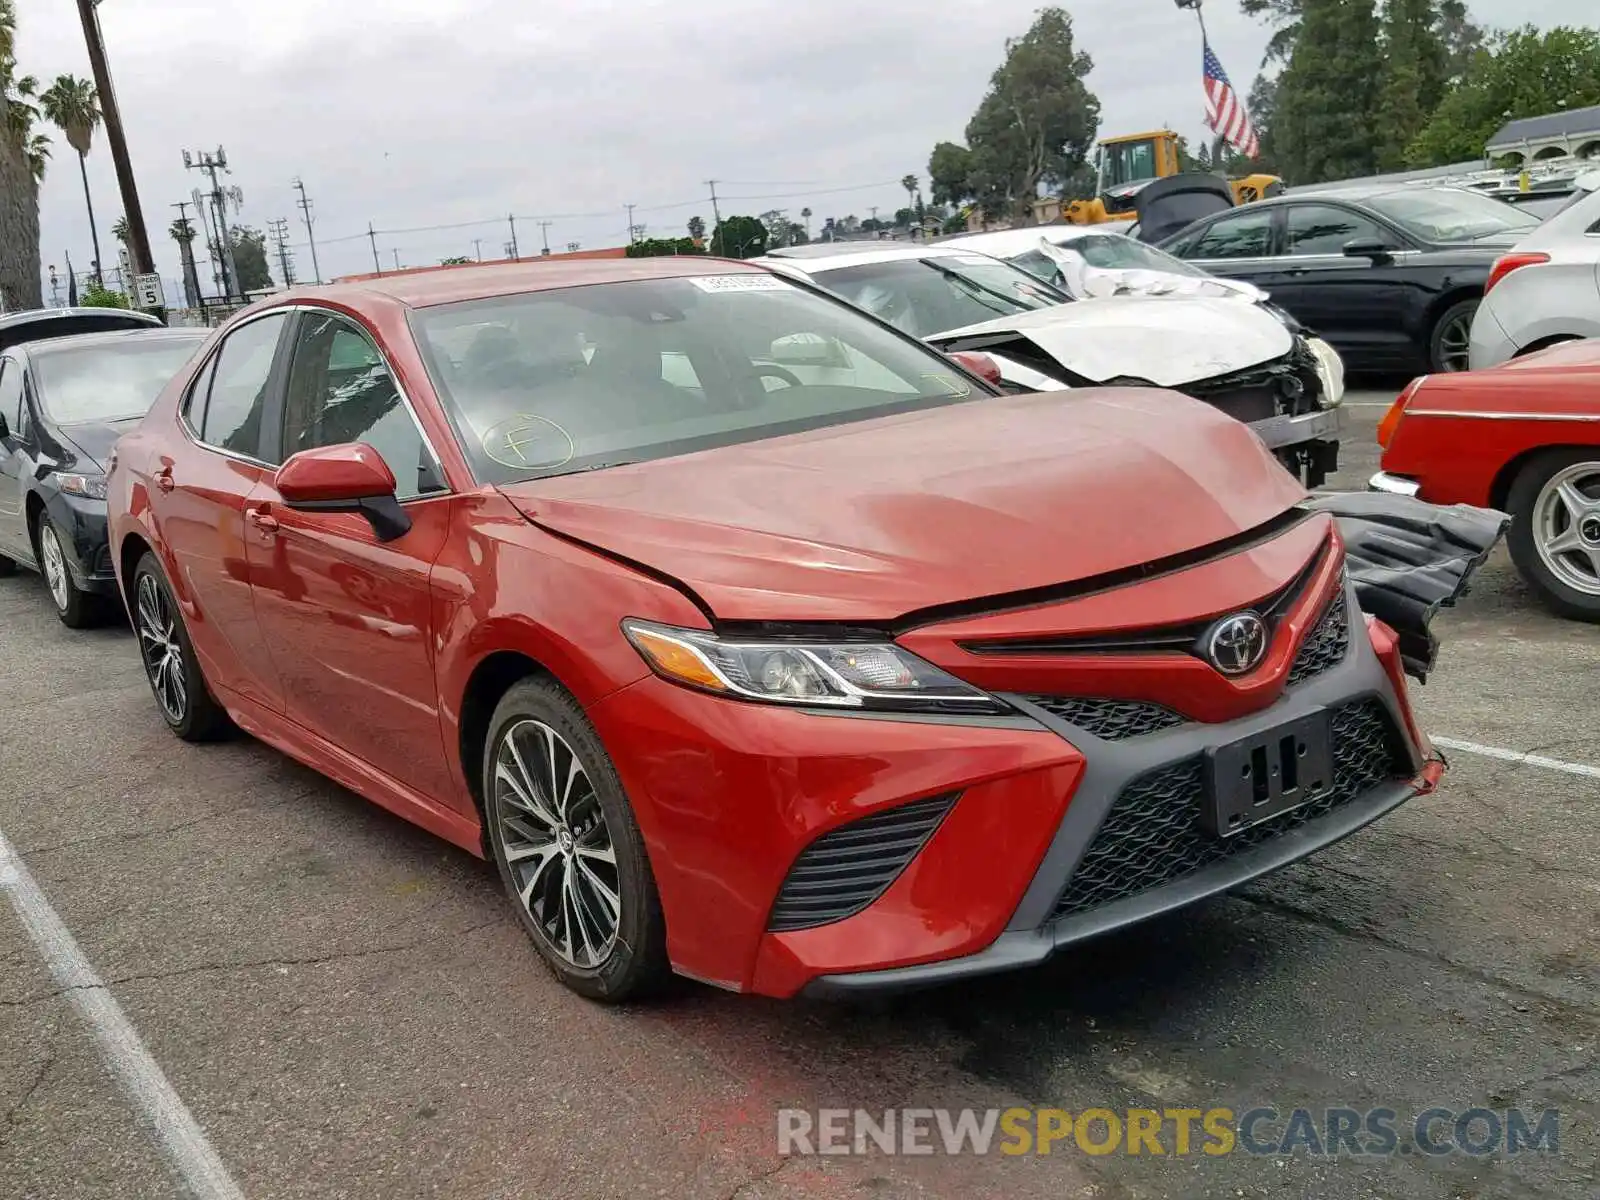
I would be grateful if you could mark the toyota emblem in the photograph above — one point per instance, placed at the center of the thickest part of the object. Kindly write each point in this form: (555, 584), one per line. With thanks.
(1236, 645)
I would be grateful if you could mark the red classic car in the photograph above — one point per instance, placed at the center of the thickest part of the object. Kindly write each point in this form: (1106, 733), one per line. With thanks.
(1523, 437)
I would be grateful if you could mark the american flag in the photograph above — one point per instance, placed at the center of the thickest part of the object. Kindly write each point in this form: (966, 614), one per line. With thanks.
(1225, 110)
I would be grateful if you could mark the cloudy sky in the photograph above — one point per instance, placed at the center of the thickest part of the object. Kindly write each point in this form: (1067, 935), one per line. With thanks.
(413, 113)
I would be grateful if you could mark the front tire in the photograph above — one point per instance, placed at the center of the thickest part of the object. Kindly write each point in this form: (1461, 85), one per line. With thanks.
(1555, 530)
(77, 608)
(169, 659)
(570, 855)
(1450, 340)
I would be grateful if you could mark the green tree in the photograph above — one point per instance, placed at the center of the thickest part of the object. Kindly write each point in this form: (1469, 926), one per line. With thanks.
(950, 170)
(662, 247)
(1460, 38)
(1284, 17)
(97, 296)
(909, 182)
(739, 237)
(72, 106)
(1524, 73)
(805, 215)
(250, 258)
(697, 227)
(24, 154)
(182, 231)
(1033, 128)
(119, 230)
(1411, 79)
(455, 260)
(1323, 123)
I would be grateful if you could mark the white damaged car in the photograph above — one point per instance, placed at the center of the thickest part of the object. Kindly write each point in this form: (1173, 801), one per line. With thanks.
(1240, 356)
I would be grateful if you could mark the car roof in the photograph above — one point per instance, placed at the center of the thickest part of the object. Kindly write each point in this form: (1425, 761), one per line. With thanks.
(1005, 242)
(45, 347)
(425, 289)
(43, 315)
(849, 256)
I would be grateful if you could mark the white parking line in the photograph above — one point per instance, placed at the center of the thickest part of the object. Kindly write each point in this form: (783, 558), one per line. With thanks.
(1516, 756)
(159, 1107)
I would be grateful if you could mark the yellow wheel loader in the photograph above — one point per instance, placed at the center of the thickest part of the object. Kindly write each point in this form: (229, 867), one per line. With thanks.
(1125, 164)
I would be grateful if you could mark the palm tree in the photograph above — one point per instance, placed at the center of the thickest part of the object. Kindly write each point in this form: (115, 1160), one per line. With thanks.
(910, 185)
(805, 215)
(181, 231)
(120, 230)
(72, 105)
(23, 157)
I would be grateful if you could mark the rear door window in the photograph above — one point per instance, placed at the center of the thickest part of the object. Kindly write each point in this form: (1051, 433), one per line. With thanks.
(238, 393)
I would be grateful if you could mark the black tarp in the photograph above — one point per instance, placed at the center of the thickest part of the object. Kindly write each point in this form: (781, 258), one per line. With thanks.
(1408, 559)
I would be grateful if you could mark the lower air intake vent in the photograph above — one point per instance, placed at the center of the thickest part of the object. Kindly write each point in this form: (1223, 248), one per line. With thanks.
(1112, 720)
(1153, 835)
(1326, 646)
(842, 872)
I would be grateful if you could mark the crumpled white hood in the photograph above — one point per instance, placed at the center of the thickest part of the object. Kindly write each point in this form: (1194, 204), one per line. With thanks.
(1084, 281)
(1167, 340)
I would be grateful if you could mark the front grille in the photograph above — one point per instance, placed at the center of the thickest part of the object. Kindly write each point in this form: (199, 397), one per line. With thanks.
(1153, 836)
(1327, 645)
(845, 870)
(1113, 720)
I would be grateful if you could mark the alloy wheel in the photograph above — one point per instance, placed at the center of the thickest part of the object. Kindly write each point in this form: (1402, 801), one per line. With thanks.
(557, 845)
(55, 566)
(1455, 343)
(1566, 526)
(160, 648)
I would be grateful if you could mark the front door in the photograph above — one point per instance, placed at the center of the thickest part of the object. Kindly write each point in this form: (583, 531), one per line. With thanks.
(1241, 244)
(349, 617)
(14, 463)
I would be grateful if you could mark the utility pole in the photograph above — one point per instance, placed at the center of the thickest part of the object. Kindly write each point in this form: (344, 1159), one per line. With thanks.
(373, 236)
(138, 239)
(396, 254)
(304, 206)
(191, 277)
(477, 246)
(280, 238)
(544, 228)
(515, 255)
(716, 213)
(631, 236)
(211, 163)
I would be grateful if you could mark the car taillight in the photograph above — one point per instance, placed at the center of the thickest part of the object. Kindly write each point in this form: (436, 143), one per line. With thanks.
(1508, 263)
(1391, 419)
(979, 364)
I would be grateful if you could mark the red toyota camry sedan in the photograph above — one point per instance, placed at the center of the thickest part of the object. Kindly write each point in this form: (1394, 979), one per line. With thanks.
(749, 637)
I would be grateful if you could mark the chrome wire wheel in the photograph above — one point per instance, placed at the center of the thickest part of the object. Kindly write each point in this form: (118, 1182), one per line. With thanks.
(55, 566)
(1566, 526)
(160, 648)
(556, 842)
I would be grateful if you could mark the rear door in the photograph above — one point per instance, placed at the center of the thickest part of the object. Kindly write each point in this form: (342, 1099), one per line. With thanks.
(1242, 244)
(198, 498)
(13, 462)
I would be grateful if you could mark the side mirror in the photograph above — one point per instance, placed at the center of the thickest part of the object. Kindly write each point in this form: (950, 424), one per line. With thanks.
(351, 477)
(1367, 248)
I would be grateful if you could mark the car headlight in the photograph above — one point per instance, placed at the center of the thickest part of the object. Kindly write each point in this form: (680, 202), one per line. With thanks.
(92, 486)
(1330, 370)
(849, 675)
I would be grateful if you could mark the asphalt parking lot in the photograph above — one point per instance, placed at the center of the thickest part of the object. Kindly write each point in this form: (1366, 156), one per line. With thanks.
(346, 1008)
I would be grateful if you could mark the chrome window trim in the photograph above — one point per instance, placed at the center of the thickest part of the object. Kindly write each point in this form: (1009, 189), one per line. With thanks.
(1501, 416)
(206, 363)
(405, 399)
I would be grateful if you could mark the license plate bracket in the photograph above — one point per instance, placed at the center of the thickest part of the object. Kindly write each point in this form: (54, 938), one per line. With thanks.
(1270, 773)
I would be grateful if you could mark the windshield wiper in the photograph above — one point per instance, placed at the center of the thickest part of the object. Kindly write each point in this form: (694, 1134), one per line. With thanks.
(975, 287)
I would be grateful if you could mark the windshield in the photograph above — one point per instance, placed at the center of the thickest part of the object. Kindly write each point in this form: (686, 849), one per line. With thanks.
(1452, 215)
(1127, 162)
(927, 296)
(575, 379)
(111, 381)
(1111, 251)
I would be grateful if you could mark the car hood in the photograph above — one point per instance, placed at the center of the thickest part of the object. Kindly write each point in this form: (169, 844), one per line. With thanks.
(876, 519)
(94, 439)
(1167, 340)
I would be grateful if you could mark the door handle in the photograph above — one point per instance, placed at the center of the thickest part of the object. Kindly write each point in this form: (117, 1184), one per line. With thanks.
(261, 519)
(164, 479)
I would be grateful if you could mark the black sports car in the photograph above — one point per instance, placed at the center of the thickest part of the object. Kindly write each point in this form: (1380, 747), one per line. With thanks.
(1389, 274)
(64, 402)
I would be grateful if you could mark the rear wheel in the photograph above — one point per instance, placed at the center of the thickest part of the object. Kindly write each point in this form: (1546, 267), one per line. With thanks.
(170, 664)
(1451, 340)
(1555, 529)
(570, 854)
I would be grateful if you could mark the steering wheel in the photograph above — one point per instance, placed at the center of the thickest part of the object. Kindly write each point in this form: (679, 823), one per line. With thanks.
(782, 373)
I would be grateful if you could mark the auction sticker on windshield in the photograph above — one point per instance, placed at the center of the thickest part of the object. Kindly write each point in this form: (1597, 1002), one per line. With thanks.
(739, 283)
